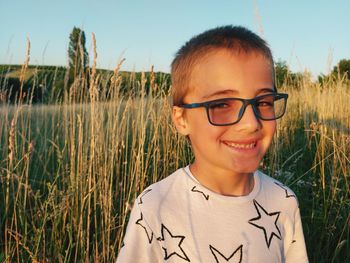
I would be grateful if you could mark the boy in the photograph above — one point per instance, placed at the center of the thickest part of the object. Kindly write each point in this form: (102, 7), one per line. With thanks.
(220, 208)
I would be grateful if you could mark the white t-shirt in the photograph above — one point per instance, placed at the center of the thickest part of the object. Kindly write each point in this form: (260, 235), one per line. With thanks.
(179, 220)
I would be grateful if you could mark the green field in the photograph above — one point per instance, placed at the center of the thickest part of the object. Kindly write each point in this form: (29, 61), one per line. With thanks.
(51, 84)
(70, 172)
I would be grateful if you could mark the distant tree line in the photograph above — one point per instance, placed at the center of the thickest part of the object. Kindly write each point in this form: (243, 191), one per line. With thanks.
(54, 84)
(48, 84)
(340, 72)
(285, 77)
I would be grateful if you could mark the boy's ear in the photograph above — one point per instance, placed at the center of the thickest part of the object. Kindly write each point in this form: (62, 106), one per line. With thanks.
(179, 120)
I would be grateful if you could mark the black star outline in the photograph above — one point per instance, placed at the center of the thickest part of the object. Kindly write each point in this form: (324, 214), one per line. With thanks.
(143, 194)
(285, 189)
(149, 236)
(258, 208)
(201, 192)
(167, 256)
(217, 253)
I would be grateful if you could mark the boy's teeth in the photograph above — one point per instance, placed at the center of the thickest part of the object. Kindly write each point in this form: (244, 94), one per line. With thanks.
(242, 146)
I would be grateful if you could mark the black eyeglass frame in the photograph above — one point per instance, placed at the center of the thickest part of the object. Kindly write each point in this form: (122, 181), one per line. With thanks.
(245, 102)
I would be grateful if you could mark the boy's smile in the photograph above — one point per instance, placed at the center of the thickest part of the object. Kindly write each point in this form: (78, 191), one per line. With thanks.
(236, 150)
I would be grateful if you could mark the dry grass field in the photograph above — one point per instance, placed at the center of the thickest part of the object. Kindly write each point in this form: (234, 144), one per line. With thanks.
(69, 173)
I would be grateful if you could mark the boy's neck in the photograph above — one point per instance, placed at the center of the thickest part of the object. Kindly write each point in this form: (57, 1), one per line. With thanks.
(222, 181)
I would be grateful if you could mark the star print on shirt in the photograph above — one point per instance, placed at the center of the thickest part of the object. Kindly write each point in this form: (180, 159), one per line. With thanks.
(266, 222)
(148, 231)
(287, 191)
(236, 256)
(172, 245)
(194, 189)
(143, 194)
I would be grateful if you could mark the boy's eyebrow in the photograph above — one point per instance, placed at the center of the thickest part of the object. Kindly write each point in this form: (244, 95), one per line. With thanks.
(232, 92)
(264, 90)
(221, 92)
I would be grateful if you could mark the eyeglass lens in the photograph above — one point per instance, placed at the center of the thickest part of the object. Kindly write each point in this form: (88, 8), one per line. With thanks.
(229, 111)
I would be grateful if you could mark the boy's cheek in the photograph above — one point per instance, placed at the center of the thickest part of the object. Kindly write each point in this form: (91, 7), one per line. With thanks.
(270, 128)
(273, 127)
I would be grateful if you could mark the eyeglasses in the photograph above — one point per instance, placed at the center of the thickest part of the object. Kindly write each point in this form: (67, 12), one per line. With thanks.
(229, 111)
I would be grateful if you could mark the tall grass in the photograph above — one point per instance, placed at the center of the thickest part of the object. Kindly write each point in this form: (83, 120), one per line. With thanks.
(70, 172)
(311, 154)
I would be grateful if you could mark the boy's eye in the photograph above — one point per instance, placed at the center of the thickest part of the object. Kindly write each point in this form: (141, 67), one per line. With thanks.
(264, 103)
(219, 105)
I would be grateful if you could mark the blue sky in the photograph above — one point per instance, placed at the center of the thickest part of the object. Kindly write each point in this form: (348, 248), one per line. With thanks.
(307, 34)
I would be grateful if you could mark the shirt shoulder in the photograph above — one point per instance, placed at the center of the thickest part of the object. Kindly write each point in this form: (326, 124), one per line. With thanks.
(163, 199)
(158, 192)
(277, 192)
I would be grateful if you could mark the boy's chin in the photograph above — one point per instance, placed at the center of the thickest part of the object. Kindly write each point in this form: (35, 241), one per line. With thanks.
(245, 169)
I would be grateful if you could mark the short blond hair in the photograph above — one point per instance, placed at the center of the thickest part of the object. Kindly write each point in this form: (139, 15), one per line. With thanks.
(235, 39)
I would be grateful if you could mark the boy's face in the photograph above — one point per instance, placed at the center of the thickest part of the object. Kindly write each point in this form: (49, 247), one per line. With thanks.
(238, 148)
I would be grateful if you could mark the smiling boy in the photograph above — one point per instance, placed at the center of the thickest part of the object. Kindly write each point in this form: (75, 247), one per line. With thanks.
(220, 208)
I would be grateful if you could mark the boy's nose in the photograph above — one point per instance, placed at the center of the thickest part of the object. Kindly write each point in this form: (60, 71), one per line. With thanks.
(249, 120)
